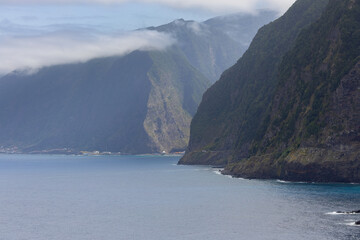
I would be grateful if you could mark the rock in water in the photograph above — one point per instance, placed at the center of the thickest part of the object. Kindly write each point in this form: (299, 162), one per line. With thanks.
(351, 212)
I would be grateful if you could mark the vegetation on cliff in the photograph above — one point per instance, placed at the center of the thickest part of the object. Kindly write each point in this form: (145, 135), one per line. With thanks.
(232, 110)
(313, 132)
(308, 129)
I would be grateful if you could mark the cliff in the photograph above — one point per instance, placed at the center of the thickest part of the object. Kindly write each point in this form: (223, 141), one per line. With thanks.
(139, 103)
(303, 122)
(232, 110)
(313, 133)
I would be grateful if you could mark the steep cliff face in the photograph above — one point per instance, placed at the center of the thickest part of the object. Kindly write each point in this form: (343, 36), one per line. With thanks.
(139, 103)
(313, 132)
(109, 104)
(176, 89)
(232, 110)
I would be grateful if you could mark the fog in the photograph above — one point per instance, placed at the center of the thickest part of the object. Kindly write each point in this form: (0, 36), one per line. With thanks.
(36, 51)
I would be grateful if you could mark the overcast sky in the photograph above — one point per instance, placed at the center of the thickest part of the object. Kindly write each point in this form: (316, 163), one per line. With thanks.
(34, 33)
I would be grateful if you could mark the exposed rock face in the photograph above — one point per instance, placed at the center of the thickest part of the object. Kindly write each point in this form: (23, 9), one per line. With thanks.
(174, 96)
(111, 104)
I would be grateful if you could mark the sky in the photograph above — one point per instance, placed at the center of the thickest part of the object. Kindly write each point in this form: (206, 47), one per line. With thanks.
(37, 33)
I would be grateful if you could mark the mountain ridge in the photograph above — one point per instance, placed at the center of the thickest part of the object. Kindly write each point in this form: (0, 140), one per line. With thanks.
(217, 42)
(141, 102)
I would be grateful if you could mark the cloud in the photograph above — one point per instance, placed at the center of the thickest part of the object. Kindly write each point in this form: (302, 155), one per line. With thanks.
(62, 47)
(212, 5)
(195, 27)
(227, 5)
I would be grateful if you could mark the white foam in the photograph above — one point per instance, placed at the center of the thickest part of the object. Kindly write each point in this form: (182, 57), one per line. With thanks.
(334, 213)
(218, 172)
(242, 178)
(341, 213)
(352, 224)
(281, 181)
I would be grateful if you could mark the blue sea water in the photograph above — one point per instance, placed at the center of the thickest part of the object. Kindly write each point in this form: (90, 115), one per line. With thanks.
(47, 197)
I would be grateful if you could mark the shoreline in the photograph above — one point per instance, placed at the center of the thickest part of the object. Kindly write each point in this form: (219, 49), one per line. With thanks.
(224, 172)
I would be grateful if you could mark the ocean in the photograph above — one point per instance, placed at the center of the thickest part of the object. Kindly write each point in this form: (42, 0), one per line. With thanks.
(55, 197)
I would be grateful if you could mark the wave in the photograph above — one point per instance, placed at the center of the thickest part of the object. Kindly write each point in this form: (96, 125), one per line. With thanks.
(282, 181)
(353, 224)
(342, 213)
(335, 213)
(289, 182)
(218, 172)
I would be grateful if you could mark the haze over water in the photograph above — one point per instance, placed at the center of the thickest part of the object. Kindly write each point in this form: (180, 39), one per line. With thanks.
(149, 197)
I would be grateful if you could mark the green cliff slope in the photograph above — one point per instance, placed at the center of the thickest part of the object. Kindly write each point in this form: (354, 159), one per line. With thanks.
(313, 132)
(232, 110)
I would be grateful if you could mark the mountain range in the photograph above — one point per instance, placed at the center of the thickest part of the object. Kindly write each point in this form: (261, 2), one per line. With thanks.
(142, 102)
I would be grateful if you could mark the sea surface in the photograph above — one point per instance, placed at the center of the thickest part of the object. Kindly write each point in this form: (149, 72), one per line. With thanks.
(47, 197)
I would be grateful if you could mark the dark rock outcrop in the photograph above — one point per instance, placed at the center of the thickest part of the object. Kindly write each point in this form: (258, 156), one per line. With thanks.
(351, 212)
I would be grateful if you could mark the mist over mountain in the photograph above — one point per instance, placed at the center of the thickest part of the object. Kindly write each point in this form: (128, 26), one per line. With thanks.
(112, 104)
(216, 44)
(142, 102)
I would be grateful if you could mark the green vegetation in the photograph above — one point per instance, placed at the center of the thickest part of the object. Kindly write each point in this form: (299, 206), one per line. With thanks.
(321, 57)
(295, 116)
(232, 110)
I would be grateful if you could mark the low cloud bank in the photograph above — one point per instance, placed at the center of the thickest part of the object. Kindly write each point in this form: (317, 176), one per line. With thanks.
(212, 5)
(34, 52)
